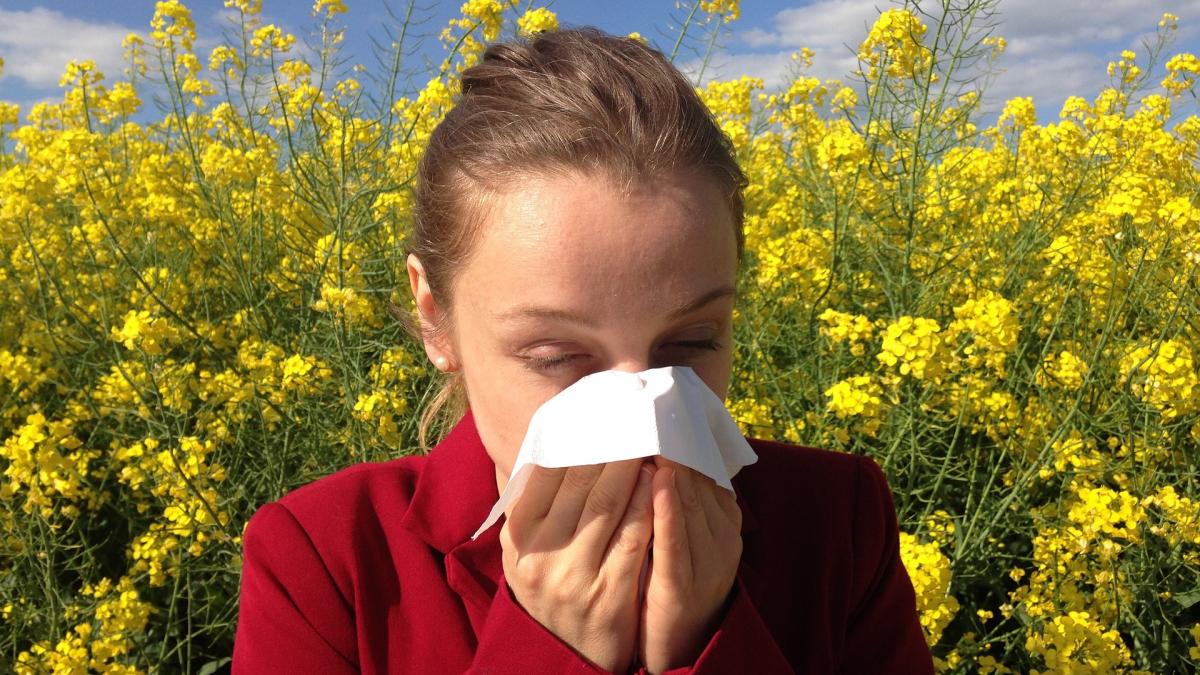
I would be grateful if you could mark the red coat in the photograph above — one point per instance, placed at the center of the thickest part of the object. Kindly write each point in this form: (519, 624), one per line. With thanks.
(372, 570)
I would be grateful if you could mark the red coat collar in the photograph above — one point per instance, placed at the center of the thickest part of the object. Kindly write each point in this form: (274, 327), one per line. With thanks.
(455, 491)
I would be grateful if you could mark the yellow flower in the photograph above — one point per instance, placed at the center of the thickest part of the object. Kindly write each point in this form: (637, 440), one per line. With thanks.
(173, 20)
(1018, 112)
(841, 327)
(915, 345)
(997, 43)
(754, 418)
(1064, 370)
(1182, 70)
(270, 38)
(730, 103)
(328, 7)
(1164, 375)
(843, 150)
(10, 114)
(140, 330)
(728, 10)
(930, 572)
(1180, 516)
(894, 43)
(1076, 642)
(858, 397)
(538, 20)
(346, 302)
(248, 7)
(990, 320)
(480, 23)
(792, 268)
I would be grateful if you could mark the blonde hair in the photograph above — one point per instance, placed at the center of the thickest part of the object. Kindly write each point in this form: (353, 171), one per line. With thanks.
(575, 100)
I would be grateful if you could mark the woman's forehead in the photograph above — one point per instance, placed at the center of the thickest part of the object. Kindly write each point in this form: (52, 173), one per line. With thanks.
(571, 241)
(580, 220)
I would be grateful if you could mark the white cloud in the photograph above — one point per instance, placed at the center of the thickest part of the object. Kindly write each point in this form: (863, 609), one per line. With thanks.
(823, 24)
(1048, 78)
(757, 37)
(1056, 48)
(37, 44)
(1077, 21)
(773, 68)
(831, 28)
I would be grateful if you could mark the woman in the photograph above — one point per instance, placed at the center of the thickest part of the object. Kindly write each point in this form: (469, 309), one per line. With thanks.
(577, 211)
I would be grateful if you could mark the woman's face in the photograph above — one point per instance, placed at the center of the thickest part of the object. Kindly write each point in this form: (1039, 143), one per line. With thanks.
(570, 278)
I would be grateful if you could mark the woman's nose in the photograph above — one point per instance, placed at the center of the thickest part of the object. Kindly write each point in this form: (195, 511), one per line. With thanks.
(632, 365)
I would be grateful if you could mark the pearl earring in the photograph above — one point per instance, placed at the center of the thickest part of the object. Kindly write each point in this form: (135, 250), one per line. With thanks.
(441, 363)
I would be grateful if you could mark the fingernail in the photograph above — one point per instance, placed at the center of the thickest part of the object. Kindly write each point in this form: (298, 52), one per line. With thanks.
(646, 474)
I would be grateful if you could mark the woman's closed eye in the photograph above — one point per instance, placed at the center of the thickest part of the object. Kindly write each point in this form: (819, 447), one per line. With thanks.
(559, 361)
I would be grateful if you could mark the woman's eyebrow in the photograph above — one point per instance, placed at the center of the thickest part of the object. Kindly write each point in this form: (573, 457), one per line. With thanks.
(701, 301)
(520, 312)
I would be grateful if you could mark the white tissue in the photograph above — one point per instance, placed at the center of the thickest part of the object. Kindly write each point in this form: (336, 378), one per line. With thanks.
(616, 415)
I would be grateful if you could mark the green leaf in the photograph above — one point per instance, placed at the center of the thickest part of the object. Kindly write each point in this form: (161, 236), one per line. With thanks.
(213, 666)
(1188, 599)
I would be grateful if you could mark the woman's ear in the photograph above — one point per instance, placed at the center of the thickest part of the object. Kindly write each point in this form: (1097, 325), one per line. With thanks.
(430, 315)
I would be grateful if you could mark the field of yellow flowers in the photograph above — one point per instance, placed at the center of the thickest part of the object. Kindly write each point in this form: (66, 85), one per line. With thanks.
(194, 320)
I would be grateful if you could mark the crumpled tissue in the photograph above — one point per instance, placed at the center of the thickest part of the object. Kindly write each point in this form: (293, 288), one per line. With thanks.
(616, 415)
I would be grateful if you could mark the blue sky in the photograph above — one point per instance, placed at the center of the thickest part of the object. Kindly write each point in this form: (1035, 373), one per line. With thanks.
(1056, 48)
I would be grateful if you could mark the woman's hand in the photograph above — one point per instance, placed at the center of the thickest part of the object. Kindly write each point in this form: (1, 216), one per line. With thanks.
(573, 549)
(694, 560)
